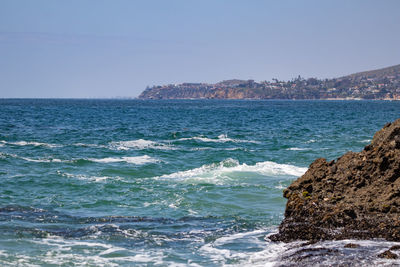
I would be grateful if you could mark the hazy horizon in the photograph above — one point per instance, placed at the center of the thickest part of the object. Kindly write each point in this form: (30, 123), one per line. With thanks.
(101, 49)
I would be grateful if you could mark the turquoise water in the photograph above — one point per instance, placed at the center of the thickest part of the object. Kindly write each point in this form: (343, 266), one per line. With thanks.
(129, 182)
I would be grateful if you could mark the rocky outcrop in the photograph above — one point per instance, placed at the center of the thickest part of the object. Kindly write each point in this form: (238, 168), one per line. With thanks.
(356, 196)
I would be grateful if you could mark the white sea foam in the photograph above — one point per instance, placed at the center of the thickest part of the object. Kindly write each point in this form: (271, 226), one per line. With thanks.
(61, 251)
(223, 138)
(219, 252)
(139, 145)
(311, 141)
(364, 255)
(229, 168)
(280, 187)
(269, 256)
(90, 178)
(44, 160)
(268, 253)
(366, 141)
(296, 149)
(139, 160)
(30, 143)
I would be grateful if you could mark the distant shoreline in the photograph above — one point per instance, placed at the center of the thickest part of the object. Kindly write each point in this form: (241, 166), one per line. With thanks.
(381, 84)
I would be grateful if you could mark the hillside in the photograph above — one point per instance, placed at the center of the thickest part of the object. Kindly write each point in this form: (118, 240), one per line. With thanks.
(376, 84)
(379, 73)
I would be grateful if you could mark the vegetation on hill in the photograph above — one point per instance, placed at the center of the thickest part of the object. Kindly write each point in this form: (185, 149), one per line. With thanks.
(377, 84)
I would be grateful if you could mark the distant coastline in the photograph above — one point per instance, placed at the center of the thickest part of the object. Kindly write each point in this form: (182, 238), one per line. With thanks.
(381, 84)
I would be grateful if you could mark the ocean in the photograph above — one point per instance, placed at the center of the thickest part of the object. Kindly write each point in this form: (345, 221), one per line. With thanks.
(169, 183)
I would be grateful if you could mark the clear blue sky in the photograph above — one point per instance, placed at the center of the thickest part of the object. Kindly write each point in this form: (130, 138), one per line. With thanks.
(94, 48)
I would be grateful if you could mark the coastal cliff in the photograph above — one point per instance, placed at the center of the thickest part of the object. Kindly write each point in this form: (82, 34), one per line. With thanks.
(356, 196)
(376, 84)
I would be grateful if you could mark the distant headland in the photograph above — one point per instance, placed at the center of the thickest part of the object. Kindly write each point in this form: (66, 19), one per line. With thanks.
(381, 84)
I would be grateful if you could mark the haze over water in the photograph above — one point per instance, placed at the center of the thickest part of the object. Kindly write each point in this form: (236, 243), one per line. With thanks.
(104, 182)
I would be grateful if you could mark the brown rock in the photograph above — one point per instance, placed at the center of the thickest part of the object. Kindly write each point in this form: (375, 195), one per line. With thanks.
(388, 255)
(356, 196)
(351, 245)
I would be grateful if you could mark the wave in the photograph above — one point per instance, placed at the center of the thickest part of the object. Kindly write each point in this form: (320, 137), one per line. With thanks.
(44, 160)
(47, 160)
(117, 145)
(223, 138)
(311, 141)
(222, 250)
(84, 177)
(139, 144)
(65, 251)
(229, 168)
(296, 149)
(139, 160)
(298, 253)
(30, 143)
(323, 253)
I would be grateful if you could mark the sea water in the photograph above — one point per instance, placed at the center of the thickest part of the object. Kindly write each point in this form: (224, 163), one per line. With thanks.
(161, 183)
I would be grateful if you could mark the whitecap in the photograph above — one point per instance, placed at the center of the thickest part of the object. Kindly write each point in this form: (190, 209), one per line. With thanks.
(46, 160)
(90, 178)
(139, 145)
(223, 138)
(280, 187)
(139, 160)
(229, 168)
(35, 160)
(296, 149)
(31, 143)
(311, 141)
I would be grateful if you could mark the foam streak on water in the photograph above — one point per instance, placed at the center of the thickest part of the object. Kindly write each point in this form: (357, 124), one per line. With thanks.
(139, 160)
(223, 138)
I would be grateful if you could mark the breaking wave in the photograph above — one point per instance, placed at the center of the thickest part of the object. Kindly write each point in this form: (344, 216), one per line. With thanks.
(47, 160)
(89, 178)
(30, 143)
(223, 138)
(138, 144)
(296, 149)
(44, 160)
(230, 168)
(139, 160)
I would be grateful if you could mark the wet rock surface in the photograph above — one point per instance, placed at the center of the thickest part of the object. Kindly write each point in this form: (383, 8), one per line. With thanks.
(388, 255)
(355, 197)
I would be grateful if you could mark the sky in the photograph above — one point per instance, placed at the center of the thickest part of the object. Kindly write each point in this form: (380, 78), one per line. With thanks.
(115, 48)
